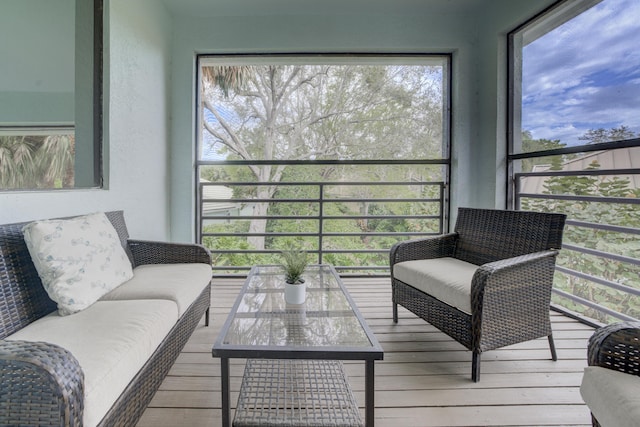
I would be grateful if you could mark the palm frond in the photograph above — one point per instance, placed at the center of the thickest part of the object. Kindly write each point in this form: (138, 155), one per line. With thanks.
(227, 77)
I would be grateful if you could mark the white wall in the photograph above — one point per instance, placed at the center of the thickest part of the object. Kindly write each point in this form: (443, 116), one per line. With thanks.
(30, 91)
(150, 78)
(476, 41)
(306, 34)
(136, 133)
(487, 173)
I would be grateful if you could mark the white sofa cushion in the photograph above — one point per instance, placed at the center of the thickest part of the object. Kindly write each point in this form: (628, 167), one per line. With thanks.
(78, 259)
(181, 283)
(111, 340)
(446, 279)
(612, 396)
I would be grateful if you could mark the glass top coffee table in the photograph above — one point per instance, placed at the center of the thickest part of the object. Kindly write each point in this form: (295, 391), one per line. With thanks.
(261, 325)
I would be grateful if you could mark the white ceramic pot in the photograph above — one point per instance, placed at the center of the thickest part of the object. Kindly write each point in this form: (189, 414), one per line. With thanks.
(295, 294)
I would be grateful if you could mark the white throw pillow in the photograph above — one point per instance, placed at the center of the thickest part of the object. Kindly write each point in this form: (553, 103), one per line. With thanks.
(78, 259)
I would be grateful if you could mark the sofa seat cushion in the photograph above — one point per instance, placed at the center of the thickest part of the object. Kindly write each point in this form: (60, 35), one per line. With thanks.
(446, 279)
(111, 340)
(181, 283)
(612, 396)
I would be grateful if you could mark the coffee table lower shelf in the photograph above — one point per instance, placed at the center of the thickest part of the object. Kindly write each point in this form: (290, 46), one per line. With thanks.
(296, 392)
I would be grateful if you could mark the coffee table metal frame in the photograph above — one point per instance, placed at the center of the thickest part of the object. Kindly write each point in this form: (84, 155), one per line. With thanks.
(229, 345)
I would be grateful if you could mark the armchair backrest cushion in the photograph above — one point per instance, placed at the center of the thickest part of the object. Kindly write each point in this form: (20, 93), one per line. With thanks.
(23, 299)
(487, 235)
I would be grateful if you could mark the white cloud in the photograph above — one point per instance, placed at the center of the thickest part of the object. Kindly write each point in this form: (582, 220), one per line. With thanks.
(585, 74)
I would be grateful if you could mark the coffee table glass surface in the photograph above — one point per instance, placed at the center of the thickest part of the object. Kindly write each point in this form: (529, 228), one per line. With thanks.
(327, 321)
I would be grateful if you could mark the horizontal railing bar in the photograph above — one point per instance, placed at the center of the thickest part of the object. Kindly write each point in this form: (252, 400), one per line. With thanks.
(322, 162)
(319, 183)
(596, 199)
(315, 234)
(255, 251)
(338, 268)
(604, 227)
(386, 200)
(594, 305)
(586, 172)
(384, 233)
(602, 254)
(585, 148)
(234, 217)
(316, 217)
(382, 217)
(266, 234)
(345, 200)
(363, 267)
(598, 280)
(310, 251)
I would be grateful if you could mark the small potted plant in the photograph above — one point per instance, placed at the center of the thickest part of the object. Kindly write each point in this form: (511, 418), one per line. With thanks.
(295, 261)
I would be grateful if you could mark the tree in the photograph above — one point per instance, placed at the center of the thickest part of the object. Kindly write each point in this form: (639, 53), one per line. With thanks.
(35, 161)
(619, 243)
(321, 112)
(600, 135)
(530, 145)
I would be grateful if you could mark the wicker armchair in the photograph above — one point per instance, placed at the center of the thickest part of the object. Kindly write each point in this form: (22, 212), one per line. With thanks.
(510, 257)
(611, 383)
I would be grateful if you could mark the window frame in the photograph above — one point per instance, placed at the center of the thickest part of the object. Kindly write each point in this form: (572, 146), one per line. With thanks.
(445, 59)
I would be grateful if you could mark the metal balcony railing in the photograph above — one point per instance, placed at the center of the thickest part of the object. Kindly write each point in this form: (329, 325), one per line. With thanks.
(350, 224)
(598, 270)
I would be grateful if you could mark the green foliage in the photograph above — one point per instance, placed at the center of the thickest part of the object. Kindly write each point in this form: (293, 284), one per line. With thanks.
(617, 243)
(530, 145)
(597, 136)
(36, 161)
(295, 261)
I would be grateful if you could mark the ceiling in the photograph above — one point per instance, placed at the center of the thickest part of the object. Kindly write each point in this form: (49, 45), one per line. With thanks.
(202, 8)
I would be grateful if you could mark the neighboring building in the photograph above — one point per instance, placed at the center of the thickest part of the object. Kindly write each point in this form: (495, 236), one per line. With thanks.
(221, 207)
(623, 158)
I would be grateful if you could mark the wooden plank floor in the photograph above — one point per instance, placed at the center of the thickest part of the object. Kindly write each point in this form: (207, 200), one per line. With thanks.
(424, 379)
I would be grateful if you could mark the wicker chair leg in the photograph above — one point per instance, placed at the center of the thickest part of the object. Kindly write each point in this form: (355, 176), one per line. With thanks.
(552, 347)
(395, 313)
(475, 367)
(206, 316)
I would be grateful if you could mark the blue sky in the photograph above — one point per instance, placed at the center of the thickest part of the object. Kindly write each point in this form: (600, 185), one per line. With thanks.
(584, 74)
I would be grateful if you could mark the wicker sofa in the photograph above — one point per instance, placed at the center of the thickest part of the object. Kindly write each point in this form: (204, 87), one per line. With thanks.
(488, 284)
(103, 365)
(611, 383)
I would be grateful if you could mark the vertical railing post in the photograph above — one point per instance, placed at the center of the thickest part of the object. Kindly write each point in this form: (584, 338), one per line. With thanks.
(442, 203)
(516, 192)
(321, 224)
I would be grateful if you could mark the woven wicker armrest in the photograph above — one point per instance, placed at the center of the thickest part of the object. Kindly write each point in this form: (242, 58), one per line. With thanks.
(149, 252)
(523, 270)
(41, 384)
(616, 347)
(426, 248)
(510, 299)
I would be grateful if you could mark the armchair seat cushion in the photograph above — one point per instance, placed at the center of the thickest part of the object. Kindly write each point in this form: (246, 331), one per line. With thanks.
(111, 340)
(612, 396)
(446, 279)
(180, 283)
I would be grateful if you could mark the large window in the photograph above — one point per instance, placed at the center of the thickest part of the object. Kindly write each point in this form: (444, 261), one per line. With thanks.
(50, 94)
(341, 156)
(575, 146)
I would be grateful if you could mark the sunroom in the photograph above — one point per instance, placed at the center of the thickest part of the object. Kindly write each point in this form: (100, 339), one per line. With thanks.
(406, 110)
